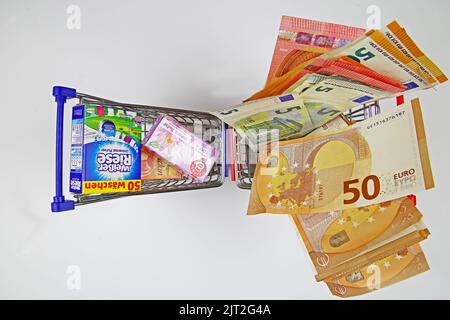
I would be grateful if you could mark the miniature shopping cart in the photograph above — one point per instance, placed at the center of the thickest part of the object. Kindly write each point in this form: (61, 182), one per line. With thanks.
(236, 158)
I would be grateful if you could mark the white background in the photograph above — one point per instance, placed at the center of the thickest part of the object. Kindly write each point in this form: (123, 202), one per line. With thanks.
(201, 55)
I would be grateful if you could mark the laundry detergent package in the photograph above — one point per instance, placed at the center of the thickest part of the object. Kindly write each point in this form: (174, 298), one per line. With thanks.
(106, 150)
(174, 143)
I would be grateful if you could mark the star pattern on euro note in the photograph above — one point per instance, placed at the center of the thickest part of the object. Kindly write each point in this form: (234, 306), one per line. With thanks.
(295, 165)
(355, 224)
(269, 185)
(341, 221)
(307, 165)
(387, 264)
(284, 169)
(317, 182)
(371, 219)
(398, 257)
(382, 209)
(372, 267)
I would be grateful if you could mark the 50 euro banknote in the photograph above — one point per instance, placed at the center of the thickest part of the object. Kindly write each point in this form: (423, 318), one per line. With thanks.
(336, 237)
(401, 265)
(405, 238)
(378, 160)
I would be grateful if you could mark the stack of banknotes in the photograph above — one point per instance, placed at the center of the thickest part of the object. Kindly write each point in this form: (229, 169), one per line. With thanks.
(346, 186)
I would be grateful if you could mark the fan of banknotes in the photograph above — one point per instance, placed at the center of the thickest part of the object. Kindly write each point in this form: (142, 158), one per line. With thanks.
(346, 186)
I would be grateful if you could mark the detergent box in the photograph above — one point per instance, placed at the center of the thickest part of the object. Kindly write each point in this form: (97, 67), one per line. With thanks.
(106, 150)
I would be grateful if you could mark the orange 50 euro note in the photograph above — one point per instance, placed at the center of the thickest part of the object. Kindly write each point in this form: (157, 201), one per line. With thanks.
(398, 266)
(334, 238)
(380, 159)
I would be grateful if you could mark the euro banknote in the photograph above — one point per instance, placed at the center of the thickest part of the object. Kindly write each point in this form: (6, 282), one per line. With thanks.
(378, 160)
(277, 118)
(246, 156)
(348, 69)
(405, 263)
(389, 51)
(332, 238)
(338, 91)
(295, 115)
(376, 52)
(405, 238)
(398, 36)
(336, 124)
(301, 40)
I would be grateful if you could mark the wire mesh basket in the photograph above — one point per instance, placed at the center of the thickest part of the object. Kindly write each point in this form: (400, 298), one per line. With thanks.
(212, 132)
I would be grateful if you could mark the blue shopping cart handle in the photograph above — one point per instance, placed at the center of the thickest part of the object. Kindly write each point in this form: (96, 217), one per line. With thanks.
(61, 95)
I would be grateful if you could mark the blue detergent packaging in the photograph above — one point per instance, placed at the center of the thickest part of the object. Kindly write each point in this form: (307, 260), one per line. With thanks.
(106, 150)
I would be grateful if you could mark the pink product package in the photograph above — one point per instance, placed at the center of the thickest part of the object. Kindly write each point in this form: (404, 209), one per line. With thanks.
(171, 141)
